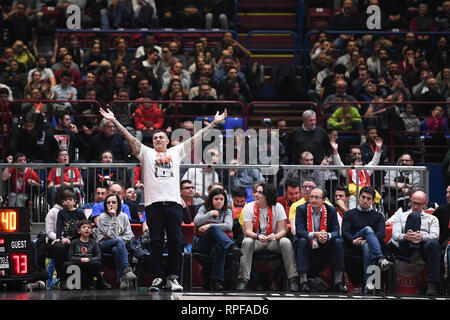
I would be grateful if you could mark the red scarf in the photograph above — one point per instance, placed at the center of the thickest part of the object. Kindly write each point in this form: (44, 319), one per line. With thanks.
(323, 219)
(364, 177)
(256, 220)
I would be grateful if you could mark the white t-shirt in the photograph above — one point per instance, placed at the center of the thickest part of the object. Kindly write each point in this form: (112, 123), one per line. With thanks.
(161, 171)
(278, 214)
(196, 176)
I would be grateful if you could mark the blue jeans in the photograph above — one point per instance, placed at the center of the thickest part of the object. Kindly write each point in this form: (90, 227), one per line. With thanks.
(119, 251)
(371, 250)
(120, 14)
(164, 220)
(216, 242)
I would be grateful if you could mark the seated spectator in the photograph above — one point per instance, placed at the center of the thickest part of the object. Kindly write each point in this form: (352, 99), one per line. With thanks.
(150, 60)
(413, 125)
(191, 200)
(104, 79)
(368, 148)
(23, 139)
(239, 50)
(307, 159)
(363, 232)
(114, 230)
(291, 194)
(146, 87)
(423, 22)
(95, 57)
(432, 94)
(23, 55)
(398, 87)
(377, 62)
(176, 70)
(213, 226)
(174, 85)
(415, 233)
(346, 118)
(66, 63)
(408, 64)
(202, 79)
(14, 79)
(318, 235)
(170, 110)
(204, 109)
(202, 178)
(22, 182)
(59, 177)
(346, 59)
(64, 136)
(120, 56)
(347, 19)
(265, 230)
(398, 183)
(121, 81)
(66, 231)
(37, 83)
(341, 93)
(109, 174)
(149, 39)
(64, 91)
(437, 127)
(145, 14)
(89, 82)
(244, 177)
(147, 118)
(47, 75)
(221, 74)
(131, 200)
(443, 78)
(116, 14)
(116, 188)
(99, 195)
(234, 91)
(124, 111)
(84, 252)
(62, 52)
(75, 50)
(107, 139)
(341, 202)
(328, 84)
(165, 62)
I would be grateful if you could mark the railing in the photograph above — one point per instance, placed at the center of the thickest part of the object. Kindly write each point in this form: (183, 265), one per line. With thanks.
(40, 200)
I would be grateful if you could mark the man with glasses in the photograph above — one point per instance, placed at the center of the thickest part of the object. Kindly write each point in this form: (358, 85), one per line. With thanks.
(415, 234)
(363, 232)
(187, 192)
(399, 182)
(307, 186)
(318, 240)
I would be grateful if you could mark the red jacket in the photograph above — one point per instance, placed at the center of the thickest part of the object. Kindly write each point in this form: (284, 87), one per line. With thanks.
(151, 117)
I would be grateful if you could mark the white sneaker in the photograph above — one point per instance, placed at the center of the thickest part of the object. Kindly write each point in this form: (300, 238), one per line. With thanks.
(124, 284)
(369, 288)
(38, 285)
(157, 285)
(173, 285)
(128, 274)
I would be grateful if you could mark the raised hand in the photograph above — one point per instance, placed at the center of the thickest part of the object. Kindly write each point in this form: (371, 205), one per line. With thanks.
(107, 114)
(379, 142)
(218, 118)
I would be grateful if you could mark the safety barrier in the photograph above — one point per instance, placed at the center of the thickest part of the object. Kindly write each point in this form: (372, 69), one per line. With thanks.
(40, 198)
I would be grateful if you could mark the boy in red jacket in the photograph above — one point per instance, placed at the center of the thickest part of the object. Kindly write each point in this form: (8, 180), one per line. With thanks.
(147, 118)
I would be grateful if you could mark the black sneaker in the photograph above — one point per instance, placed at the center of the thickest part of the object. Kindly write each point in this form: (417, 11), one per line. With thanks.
(157, 284)
(384, 264)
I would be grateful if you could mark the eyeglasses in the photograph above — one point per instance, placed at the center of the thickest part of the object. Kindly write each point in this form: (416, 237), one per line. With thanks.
(308, 187)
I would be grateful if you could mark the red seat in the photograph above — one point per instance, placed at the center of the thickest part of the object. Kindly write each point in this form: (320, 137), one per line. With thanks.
(319, 18)
(52, 11)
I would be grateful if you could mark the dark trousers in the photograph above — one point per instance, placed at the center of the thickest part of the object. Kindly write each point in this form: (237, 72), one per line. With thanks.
(164, 220)
(59, 252)
(332, 251)
(429, 250)
(215, 242)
